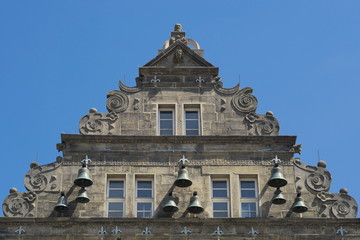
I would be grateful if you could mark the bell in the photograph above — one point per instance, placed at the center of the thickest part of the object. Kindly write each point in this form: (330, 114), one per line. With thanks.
(82, 197)
(61, 205)
(170, 205)
(83, 179)
(278, 197)
(299, 205)
(183, 179)
(195, 206)
(277, 178)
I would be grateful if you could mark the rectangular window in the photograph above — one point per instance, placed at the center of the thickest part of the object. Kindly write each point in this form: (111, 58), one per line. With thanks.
(144, 198)
(220, 198)
(115, 198)
(192, 123)
(248, 198)
(166, 119)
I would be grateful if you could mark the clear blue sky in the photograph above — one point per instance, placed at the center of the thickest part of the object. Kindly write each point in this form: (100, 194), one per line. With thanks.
(60, 58)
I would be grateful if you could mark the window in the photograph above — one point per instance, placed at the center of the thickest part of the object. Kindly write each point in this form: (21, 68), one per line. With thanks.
(144, 198)
(220, 198)
(166, 119)
(192, 123)
(115, 198)
(248, 198)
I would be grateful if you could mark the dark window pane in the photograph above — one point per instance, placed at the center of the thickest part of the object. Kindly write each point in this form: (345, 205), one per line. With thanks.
(248, 193)
(192, 132)
(116, 184)
(144, 206)
(116, 206)
(247, 207)
(166, 132)
(219, 184)
(220, 193)
(166, 124)
(220, 206)
(192, 124)
(191, 115)
(144, 194)
(220, 214)
(147, 214)
(116, 193)
(248, 184)
(248, 214)
(144, 184)
(166, 115)
(115, 214)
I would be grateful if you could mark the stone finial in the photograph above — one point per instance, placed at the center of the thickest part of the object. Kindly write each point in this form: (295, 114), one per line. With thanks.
(13, 190)
(344, 191)
(34, 165)
(321, 164)
(177, 27)
(93, 110)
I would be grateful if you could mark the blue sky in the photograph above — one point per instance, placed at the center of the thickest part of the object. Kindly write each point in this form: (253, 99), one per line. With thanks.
(60, 58)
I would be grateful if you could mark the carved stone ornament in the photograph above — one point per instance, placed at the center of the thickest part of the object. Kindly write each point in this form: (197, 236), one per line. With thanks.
(178, 56)
(117, 101)
(96, 123)
(262, 125)
(226, 91)
(127, 89)
(43, 178)
(337, 205)
(243, 101)
(19, 204)
(314, 179)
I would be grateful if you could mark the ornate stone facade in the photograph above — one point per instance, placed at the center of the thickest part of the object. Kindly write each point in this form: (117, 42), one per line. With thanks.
(179, 122)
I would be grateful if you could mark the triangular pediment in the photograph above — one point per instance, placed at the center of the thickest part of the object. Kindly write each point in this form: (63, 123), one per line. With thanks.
(178, 55)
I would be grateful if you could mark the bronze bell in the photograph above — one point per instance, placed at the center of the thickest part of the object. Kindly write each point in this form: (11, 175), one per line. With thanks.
(61, 205)
(82, 197)
(170, 205)
(195, 206)
(183, 179)
(278, 198)
(277, 178)
(299, 205)
(83, 179)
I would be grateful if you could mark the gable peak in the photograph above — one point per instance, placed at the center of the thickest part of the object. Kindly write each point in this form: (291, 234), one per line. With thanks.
(178, 35)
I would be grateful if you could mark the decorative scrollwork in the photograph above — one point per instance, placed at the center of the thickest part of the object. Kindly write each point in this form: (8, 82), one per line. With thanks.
(262, 125)
(43, 178)
(117, 101)
(337, 205)
(38, 182)
(19, 204)
(318, 181)
(340, 208)
(226, 91)
(315, 179)
(244, 101)
(97, 123)
(127, 89)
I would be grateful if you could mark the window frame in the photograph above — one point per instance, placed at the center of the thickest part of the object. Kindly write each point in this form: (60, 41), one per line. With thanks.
(192, 108)
(114, 199)
(144, 199)
(249, 199)
(166, 108)
(215, 200)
